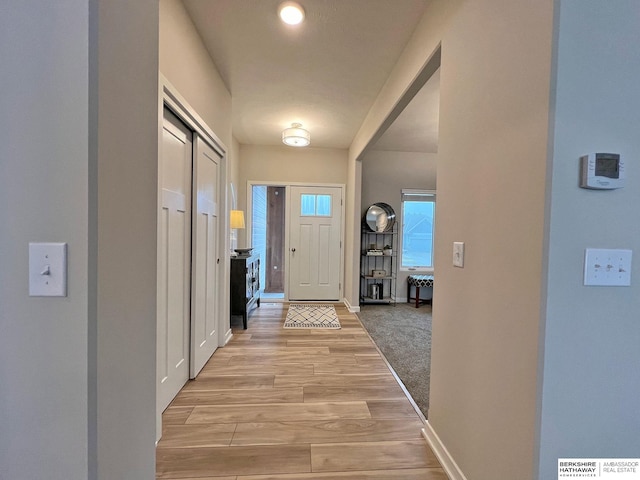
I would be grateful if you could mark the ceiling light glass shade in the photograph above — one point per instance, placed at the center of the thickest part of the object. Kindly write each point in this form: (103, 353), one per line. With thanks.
(296, 136)
(291, 13)
(237, 219)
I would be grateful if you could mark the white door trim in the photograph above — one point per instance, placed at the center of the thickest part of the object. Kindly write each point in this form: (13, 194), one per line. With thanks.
(288, 185)
(178, 104)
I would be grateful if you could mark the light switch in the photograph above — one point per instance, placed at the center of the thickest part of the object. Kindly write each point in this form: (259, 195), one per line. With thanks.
(47, 269)
(458, 254)
(607, 267)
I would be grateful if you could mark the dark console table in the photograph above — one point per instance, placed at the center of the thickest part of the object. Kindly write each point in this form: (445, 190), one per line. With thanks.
(245, 285)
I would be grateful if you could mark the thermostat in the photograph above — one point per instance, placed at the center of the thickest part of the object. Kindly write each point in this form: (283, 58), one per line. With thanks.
(601, 171)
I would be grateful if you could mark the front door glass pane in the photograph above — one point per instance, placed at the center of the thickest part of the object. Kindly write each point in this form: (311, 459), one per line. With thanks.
(323, 206)
(308, 205)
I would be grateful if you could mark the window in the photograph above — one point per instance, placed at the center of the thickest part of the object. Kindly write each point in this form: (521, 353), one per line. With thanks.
(418, 213)
(315, 205)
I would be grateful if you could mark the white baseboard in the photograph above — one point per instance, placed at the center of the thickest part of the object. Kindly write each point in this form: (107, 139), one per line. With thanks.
(449, 465)
(350, 307)
(227, 337)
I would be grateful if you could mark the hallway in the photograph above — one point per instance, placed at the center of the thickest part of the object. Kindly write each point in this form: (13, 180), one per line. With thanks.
(295, 404)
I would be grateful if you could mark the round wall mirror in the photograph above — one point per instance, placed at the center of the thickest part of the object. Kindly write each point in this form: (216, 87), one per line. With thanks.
(380, 217)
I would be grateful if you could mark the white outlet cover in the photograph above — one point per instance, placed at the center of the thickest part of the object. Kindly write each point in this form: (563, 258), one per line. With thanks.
(47, 269)
(458, 254)
(607, 267)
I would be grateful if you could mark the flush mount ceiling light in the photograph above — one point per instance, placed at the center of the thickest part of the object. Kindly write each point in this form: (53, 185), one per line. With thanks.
(291, 13)
(296, 136)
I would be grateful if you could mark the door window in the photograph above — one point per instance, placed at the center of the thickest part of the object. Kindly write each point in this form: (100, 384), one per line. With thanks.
(315, 205)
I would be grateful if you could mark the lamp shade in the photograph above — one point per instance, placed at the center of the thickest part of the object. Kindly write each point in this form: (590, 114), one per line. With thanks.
(296, 136)
(237, 219)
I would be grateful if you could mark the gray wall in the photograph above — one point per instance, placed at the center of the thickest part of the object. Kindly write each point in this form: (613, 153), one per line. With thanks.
(123, 190)
(78, 156)
(43, 190)
(591, 385)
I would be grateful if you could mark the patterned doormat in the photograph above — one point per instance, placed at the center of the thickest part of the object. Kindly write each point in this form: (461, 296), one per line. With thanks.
(303, 315)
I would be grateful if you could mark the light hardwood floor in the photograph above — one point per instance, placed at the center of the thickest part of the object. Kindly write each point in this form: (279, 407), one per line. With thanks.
(295, 404)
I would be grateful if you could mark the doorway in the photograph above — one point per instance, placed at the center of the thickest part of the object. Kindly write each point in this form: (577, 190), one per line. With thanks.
(297, 230)
(403, 158)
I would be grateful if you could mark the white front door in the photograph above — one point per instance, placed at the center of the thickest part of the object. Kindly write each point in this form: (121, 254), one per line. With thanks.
(174, 254)
(314, 243)
(205, 257)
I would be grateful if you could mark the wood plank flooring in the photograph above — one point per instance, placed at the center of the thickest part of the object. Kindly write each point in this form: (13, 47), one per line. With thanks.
(294, 405)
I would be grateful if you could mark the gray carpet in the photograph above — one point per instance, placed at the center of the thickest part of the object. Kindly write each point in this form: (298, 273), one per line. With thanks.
(403, 335)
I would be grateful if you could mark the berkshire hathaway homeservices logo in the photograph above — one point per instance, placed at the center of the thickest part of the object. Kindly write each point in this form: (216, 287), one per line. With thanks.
(602, 468)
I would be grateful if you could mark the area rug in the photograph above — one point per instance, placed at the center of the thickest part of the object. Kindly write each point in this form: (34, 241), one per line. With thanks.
(303, 315)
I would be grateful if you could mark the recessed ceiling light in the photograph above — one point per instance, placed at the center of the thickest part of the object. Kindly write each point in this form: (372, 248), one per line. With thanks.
(291, 13)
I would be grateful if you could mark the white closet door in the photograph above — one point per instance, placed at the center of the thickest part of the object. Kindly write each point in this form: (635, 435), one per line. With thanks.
(205, 256)
(174, 254)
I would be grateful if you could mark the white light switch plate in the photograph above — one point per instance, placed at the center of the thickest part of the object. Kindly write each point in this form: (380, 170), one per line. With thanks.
(47, 269)
(607, 267)
(458, 254)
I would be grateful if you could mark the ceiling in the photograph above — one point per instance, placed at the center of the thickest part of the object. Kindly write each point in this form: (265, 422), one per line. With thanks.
(416, 128)
(325, 73)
